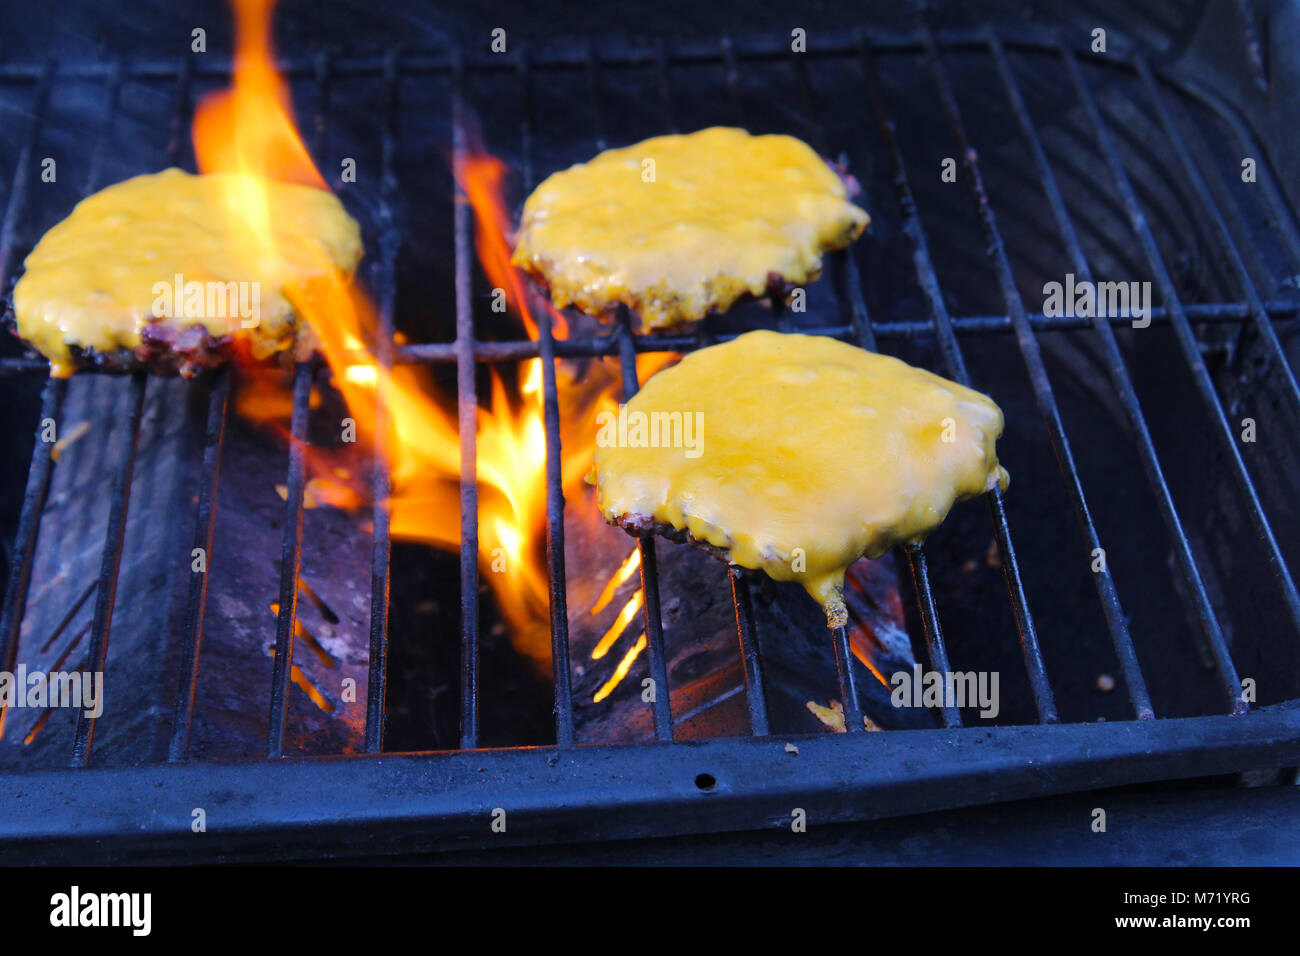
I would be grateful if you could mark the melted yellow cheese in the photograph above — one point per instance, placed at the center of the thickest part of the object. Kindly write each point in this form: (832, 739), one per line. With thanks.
(92, 281)
(677, 227)
(808, 453)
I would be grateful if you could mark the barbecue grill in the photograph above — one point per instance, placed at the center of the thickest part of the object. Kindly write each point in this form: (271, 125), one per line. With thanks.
(1121, 167)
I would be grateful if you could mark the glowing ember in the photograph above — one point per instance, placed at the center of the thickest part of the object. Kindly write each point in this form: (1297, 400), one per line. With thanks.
(620, 672)
(620, 624)
(625, 570)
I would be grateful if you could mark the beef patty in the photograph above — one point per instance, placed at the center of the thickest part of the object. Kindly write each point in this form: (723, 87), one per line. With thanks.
(174, 272)
(678, 227)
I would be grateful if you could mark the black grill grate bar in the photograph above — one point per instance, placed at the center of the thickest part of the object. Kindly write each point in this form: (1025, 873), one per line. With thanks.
(755, 696)
(840, 644)
(1186, 340)
(1197, 181)
(847, 277)
(559, 53)
(956, 367)
(742, 600)
(467, 417)
(38, 477)
(568, 53)
(1123, 386)
(662, 706)
(624, 340)
(38, 486)
(286, 620)
(111, 560)
(595, 346)
(742, 587)
(557, 577)
(197, 593)
(934, 644)
(1046, 399)
(120, 499)
(381, 549)
(506, 350)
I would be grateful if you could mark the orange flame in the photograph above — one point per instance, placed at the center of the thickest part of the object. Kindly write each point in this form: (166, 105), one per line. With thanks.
(481, 177)
(248, 129)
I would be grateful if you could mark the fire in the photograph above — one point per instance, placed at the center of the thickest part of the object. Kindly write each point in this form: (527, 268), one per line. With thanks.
(248, 129)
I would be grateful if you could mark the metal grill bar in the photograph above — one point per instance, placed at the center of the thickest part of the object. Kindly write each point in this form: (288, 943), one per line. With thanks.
(840, 643)
(197, 596)
(651, 611)
(862, 328)
(742, 588)
(742, 600)
(956, 366)
(1043, 394)
(390, 240)
(1123, 384)
(38, 475)
(120, 499)
(755, 699)
(663, 718)
(1186, 337)
(467, 412)
(38, 487)
(286, 619)
(111, 561)
(555, 563)
(444, 353)
(935, 646)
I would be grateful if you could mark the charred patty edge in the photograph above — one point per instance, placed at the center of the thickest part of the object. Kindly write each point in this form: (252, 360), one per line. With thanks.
(641, 525)
(169, 349)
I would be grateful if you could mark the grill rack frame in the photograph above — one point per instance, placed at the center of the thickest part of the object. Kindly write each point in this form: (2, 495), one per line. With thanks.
(1269, 738)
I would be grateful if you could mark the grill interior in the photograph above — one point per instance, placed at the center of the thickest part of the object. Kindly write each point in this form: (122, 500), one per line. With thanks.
(1104, 166)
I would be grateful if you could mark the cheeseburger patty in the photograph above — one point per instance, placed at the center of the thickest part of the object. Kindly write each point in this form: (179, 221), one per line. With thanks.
(173, 272)
(678, 227)
(795, 455)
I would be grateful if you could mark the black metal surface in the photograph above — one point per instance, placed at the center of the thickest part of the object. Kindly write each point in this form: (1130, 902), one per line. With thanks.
(555, 793)
(1046, 400)
(387, 803)
(1124, 387)
(290, 559)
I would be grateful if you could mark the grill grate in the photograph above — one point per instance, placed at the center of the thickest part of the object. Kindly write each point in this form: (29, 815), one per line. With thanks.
(1272, 737)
